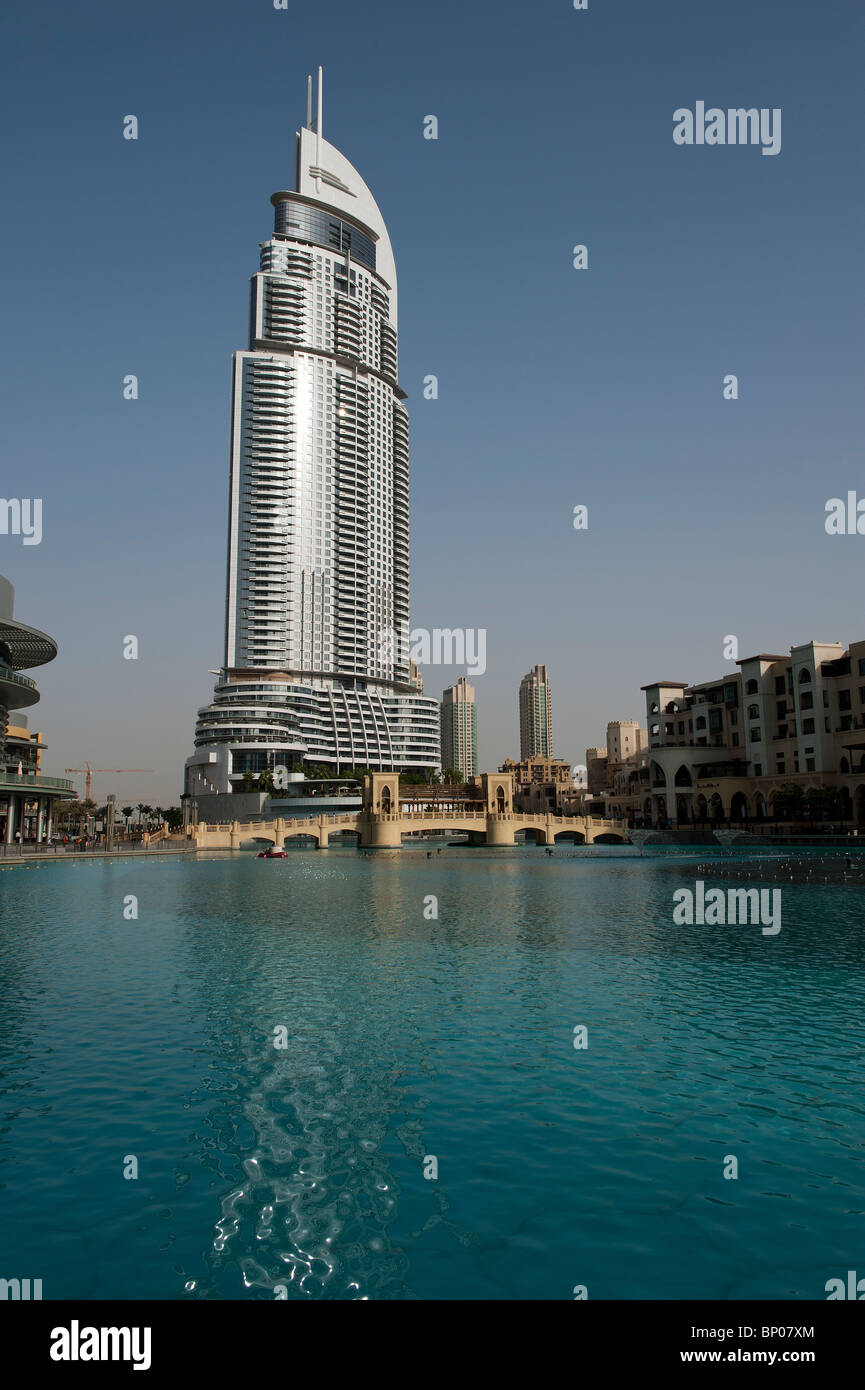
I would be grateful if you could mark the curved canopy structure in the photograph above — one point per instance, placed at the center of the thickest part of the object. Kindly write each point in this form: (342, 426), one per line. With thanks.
(21, 646)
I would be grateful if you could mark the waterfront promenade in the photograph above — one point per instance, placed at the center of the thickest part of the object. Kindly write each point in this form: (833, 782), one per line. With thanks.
(41, 854)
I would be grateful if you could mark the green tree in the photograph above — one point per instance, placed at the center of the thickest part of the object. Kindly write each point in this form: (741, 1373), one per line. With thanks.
(824, 803)
(788, 801)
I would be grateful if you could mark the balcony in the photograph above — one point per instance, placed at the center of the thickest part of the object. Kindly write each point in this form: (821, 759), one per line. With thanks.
(17, 691)
(10, 781)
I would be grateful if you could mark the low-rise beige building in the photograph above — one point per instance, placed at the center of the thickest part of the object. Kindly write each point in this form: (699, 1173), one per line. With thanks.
(616, 774)
(722, 750)
(541, 784)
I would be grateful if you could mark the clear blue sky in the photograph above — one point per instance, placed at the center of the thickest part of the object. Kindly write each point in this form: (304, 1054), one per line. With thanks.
(557, 387)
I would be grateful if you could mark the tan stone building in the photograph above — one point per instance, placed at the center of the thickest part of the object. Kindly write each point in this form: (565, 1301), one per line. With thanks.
(616, 773)
(596, 770)
(541, 784)
(721, 750)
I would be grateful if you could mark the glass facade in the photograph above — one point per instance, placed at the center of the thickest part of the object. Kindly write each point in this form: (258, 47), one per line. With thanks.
(304, 223)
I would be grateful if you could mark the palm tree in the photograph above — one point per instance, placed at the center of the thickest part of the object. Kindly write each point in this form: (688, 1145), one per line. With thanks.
(126, 812)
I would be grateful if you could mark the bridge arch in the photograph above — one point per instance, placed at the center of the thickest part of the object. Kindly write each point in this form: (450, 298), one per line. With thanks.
(291, 838)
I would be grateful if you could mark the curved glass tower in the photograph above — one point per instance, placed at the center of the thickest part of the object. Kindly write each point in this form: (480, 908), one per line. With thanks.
(318, 539)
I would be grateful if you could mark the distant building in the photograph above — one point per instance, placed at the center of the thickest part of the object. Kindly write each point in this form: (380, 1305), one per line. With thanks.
(529, 771)
(415, 679)
(536, 715)
(616, 774)
(541, 784)
(624, 738)
(596, 770)
(459, 724)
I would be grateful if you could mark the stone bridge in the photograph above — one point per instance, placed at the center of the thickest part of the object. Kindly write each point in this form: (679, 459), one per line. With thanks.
(387, 815)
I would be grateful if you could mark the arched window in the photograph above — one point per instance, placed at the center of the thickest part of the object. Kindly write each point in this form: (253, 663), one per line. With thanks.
(656, 709)
(845, 765)
(751, 688)
(753, 711)
(701, 722)
(683, 777)
(804, 677)
(385, 801)
(500, 800)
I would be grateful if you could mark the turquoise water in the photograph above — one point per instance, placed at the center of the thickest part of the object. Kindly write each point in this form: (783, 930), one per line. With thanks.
(408, 1038)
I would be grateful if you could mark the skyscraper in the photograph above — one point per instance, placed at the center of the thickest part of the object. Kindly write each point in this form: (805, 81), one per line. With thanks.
(460, 728)
(318, 548)
(27, 797)
(536, 714)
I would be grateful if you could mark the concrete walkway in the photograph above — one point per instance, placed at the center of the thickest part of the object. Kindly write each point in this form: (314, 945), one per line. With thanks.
(13, 856)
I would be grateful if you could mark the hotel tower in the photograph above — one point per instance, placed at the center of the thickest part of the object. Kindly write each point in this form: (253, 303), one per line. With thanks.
(318, 534)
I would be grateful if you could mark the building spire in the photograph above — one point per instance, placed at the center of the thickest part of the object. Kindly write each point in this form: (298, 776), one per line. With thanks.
(309, 101)
(319, 118)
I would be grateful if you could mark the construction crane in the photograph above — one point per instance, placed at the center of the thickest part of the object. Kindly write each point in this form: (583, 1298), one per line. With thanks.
(90, 771)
